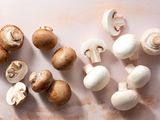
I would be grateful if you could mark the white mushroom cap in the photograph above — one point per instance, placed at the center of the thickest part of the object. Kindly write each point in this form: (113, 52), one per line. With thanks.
(125, 46)
(112, 23)
(16, 94)
(97, 77)
(92, 49)
(150, 41)
(16, 71)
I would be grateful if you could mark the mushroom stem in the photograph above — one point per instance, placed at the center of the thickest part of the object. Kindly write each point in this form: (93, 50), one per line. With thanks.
(94, 56)
(19, 96)
(119, 22)
(47, 28)
(129, 68)
(87, 68)
(122, 86)
(155, 41)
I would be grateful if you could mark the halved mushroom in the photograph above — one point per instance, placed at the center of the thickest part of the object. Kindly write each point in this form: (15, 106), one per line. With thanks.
(11, 37)
(16, 71)
(113, 23)
(3, 55)
(92, 49)
(16, 94)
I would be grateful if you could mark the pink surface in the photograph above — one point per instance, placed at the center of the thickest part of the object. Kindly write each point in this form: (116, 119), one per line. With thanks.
(73, 22)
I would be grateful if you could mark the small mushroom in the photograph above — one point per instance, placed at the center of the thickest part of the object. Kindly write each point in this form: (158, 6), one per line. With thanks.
(44, 38)
(112, 23)
(59, 93)
(126, 46)
(97, 77)
(16, 71)
(3, 55)
(138, 76)
(41, 81)
(92, 49)
(150, 41)
(11, 37)
(16, 94)
(124, 99)
(63, 58)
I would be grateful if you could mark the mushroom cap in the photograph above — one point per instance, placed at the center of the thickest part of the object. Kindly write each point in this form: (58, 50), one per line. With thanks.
(3, 55)
(16, 94)
(63, 58)
(125, 46)
(40, 81)
(11, 37)
(97, 78)
(59, 93)
(139, 77)
(124, 100)
(16, 71)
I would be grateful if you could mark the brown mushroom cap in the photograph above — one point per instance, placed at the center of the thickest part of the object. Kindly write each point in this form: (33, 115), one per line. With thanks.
(63, 58)
(3, 55)
(59, 93)
(44, 39)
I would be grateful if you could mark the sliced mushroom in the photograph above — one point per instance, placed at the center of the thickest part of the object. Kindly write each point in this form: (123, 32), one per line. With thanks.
(16, 94)
(113, 23)
(92, 49)
(11, 37)
(16, 71)
(3, 55)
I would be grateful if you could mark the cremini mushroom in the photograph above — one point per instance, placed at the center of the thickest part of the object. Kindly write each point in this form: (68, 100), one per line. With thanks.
(113, 23)
(59, 93)
(92, 49)
(63, 58)
(40, 81)
(138, 76)
(97, 77)
(16, 71)
(150, 41)
(16, 94)
(124, 99)
(11, 37)
(44, 38)
(3, 55)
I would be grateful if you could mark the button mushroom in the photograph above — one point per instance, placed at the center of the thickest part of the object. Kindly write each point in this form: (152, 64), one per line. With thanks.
(138, 76)
(126, 46)
(16, 71)
(63, 58)
(112, 23)
(40, 81)
(150, 41)
(16, 94)
(124, 99)
(97, 77)
(92, 49)
(11, 37)
(59, 93)
(44, 38)
(3, 55)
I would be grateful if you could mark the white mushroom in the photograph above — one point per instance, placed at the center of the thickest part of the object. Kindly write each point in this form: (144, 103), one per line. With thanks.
(138, 76)
(97, 77)
(150, 41)
(112, 23)
(16, 94)
(124, 99)
(126, 46)
(16, 71)
(92, 49)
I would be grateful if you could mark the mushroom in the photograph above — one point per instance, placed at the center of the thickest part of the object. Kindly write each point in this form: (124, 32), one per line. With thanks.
(126, 46)
(112, 23)
(63, 58)
(16, 94)
(150, 41)
(41, 81)
(138, 76)
(16, 71)
(92, 49)
(44, 38)
(124, 99)
(59, 93)
(3, 55)
(97, 77)
(11, 37)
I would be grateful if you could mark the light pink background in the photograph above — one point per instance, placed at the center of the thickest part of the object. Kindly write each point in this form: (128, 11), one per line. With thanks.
(74, 21)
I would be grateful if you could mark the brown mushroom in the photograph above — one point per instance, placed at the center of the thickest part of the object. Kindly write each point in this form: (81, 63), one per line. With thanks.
(3, 55)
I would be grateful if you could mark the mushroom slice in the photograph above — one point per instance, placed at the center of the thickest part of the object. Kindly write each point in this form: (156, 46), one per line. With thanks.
(112, 23)
(16, 71)
(16, 94)
(92, 49)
